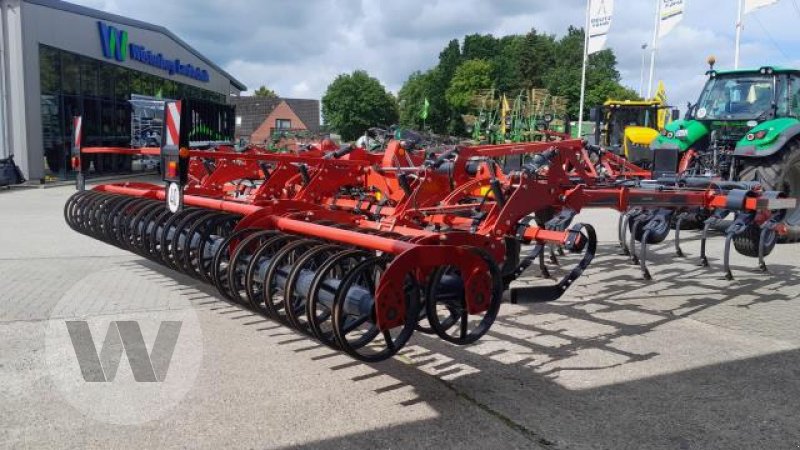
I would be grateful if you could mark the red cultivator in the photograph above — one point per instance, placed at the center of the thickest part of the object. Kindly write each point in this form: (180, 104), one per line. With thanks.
(360, 250)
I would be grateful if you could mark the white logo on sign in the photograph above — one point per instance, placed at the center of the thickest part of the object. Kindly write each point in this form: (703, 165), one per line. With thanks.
(174, 197)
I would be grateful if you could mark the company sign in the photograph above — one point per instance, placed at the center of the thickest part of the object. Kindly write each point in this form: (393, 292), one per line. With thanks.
(115, 45)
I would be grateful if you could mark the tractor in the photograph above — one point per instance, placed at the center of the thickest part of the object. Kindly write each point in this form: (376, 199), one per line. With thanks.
(744, 127)
(628, 127)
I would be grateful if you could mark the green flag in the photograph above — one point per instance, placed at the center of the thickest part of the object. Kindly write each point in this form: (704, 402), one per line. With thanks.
(424, 113)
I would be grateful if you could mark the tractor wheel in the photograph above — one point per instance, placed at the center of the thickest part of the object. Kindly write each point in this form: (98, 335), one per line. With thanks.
(694, 222)
(779, 172)
(652, 238)
(746, 243)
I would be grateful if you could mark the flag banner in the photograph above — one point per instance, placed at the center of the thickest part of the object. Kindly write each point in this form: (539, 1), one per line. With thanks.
(425, 106)
(671, 15)
(504, 109)
(600, 12)
(752, 5)
(661, 96)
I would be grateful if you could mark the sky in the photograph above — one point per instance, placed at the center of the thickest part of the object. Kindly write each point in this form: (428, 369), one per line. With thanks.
(297, 47)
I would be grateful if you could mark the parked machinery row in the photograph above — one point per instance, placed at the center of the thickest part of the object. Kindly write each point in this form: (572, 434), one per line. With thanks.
(360, 250)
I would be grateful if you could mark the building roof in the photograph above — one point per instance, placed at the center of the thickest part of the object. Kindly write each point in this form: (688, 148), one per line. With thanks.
(83, 10)
(254, 110)
(307, 110)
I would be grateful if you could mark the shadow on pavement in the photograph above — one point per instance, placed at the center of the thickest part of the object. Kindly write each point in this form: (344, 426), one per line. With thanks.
(614, 364)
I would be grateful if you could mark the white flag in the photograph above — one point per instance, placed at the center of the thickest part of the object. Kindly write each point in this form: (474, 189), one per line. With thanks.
(599, 22)
(752, 5)
(671, 15)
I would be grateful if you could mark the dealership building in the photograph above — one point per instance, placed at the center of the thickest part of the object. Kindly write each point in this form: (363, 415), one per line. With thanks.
(58, 60)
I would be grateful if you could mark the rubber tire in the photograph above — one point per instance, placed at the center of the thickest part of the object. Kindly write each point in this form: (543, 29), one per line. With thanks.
(652, 238)
(689, 223)
(746, 243)
(779, 172)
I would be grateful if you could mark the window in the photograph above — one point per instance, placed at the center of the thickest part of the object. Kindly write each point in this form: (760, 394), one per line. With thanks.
(122, 82)
(789, 105)
(89, 77)
(283, 124)
(107, 73)
(238, 121)
(72, 73)
(50, 68)
(75, 85)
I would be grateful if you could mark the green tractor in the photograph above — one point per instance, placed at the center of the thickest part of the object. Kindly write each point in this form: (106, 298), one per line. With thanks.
(744, 127)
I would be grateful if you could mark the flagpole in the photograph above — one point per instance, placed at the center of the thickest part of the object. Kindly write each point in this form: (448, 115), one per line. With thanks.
(583, 71)
(653, 50)
(641, 71)
(739, 26)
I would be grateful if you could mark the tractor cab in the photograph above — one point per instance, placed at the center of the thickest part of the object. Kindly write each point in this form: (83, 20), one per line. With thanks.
(745, 126)
(740, 115)
(627, 127)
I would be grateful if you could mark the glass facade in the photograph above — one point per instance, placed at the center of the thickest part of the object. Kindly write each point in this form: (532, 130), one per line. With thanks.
(76, 85)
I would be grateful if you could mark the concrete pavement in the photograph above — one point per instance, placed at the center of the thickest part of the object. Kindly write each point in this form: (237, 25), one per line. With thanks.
(688, 361)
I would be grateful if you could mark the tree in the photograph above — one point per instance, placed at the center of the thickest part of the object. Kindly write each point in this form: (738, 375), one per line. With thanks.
(449, 59)
(355, 102)
(506, 68)
(602, 77)
(537, 57)
(480, 46)
(515, 62)
(263, 91)
(411, 98)
(470, 77)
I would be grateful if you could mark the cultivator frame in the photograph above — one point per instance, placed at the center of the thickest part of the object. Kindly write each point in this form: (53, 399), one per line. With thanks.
(359, 250)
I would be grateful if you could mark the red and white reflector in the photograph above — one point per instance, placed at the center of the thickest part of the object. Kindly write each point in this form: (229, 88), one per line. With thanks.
(172, 115)
(77, 126)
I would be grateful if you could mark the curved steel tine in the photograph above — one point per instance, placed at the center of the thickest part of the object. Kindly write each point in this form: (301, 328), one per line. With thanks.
(588, 243)
(766, 228)
(678, 221)
(622, 228)
(711, 221)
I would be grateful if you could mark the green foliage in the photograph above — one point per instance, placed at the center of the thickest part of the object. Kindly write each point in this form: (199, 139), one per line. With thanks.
(509, 64)
(354, 102)
(264, 91)
(412, 97)
(479, 46)
(470, 77)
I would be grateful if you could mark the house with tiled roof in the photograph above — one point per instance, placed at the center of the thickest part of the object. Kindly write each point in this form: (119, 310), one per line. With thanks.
(257, 118)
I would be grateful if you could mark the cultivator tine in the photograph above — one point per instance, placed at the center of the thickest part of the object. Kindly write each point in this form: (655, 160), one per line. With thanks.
(766, 234)
(715, 218)
(622, 228)
(636, 229)
(659, 224)
(542, 266)
(678, 222)
(577, 241)
(559, 223)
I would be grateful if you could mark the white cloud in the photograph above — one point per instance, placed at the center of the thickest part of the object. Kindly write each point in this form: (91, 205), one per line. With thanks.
(298, 47)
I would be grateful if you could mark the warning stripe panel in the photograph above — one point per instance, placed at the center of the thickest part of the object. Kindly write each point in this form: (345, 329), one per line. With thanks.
(173, 118)
(77, 125)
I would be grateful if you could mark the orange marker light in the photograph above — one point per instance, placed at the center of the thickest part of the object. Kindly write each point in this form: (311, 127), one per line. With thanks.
(172, 169)
(183, 153)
